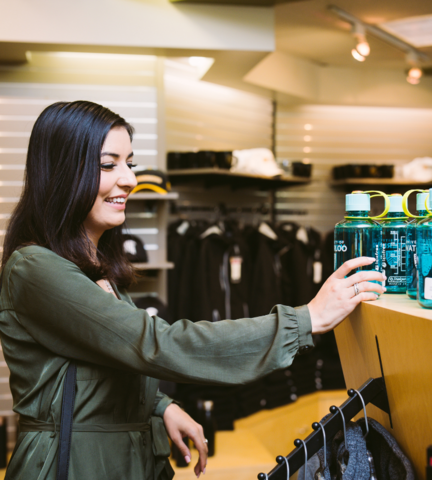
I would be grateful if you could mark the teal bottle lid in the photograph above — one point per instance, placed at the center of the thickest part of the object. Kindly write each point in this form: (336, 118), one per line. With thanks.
(395, 203)
(357, 202)
(421, 201)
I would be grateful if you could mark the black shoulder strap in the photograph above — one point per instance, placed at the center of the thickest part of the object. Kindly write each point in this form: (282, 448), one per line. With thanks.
(66, 423)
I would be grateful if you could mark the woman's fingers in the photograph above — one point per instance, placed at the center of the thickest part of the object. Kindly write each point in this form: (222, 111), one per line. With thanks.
(366, 287)
(364, 276)
(178, 440)
(352, 264)
(197, 436)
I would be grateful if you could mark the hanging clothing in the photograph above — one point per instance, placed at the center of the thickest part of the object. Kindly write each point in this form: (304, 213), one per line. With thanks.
(52, 313)
(359, 458)
(266, 280)
(302, 262)
(390, 461)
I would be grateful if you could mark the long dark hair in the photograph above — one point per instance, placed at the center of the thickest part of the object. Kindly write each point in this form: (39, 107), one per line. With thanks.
(61, 185)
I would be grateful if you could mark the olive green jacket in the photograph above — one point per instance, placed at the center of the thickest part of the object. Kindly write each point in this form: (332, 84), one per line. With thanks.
(52, 313)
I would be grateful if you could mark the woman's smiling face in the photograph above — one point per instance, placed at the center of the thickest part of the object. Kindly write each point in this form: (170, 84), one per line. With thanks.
(116, 182)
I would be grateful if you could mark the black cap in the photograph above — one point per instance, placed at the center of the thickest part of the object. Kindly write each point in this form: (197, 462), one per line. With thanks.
(134, 249)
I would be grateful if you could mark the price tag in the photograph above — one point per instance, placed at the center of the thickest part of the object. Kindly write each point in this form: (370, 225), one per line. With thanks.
(317, 272)
(236, 264)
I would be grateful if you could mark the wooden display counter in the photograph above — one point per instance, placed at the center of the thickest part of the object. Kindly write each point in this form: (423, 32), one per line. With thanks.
(403, 331)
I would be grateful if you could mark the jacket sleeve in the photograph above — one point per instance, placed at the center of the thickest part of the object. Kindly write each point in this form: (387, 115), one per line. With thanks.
(67, 313)
(161, 403)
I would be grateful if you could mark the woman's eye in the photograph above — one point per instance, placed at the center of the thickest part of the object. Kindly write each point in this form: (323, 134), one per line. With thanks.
(131, 165)
(107, 166)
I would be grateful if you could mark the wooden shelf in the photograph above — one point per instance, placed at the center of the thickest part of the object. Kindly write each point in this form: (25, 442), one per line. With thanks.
(153, 266)
(154, 196)
(403, 331)
(214, 177)
(379, 181)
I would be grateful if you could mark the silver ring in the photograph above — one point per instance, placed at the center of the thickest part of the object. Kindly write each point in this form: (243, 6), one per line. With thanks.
(205, 440)
(356, 289)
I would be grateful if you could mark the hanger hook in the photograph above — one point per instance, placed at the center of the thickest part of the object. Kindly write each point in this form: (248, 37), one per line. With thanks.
(287, 465)
(315, 426)
(364, 411)
(333, 410)
(298, 443)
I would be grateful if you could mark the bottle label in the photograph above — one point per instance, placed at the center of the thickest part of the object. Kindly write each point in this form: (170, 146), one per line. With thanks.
(394, 256)
(357, 242)
(411, 260)
(428, 288)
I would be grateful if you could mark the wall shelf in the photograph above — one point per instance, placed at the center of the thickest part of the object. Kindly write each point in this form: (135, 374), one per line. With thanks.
(217, 177)
(350, 182)
(154, 196)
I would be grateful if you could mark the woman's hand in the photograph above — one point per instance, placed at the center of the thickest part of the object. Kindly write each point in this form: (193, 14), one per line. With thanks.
(178, 425)
(337, 297)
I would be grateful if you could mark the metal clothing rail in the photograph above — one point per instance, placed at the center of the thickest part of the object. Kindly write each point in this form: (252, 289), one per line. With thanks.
(223, 209)
(373, 391)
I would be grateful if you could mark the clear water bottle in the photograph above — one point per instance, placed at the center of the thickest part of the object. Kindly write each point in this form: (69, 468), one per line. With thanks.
(358, 235)
(411, 246)
(394, 231)
(424, 255)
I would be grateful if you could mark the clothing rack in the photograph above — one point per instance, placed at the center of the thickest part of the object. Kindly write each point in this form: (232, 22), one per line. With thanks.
(372, 391)
(223, 209)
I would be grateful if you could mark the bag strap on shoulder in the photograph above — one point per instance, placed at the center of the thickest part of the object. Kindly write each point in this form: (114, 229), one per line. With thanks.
(68, 403)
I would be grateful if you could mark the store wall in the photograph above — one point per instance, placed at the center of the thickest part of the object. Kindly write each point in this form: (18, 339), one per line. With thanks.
(335, 135)
(204, 116)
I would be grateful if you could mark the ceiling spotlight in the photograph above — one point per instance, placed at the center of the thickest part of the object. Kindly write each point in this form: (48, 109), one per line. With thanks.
(362, 46)
(357, 55)
(415, 72)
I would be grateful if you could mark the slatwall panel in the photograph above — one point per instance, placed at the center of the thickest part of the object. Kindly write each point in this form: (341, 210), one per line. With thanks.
(127, 86)
(335, 135)
(205, 116)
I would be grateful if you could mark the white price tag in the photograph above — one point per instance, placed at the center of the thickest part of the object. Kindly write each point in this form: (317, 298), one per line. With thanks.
(317, 272)
(236, 263)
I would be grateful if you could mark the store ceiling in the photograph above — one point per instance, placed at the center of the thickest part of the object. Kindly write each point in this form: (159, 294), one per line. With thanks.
(309, 30)
(305, 30)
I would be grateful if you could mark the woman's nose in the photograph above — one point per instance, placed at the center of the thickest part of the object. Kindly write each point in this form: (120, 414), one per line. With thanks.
(127, 178)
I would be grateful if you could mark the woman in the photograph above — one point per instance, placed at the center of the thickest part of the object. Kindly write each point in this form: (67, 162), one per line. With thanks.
(64, 299)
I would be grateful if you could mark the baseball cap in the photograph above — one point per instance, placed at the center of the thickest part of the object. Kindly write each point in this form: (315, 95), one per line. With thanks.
(151, 179)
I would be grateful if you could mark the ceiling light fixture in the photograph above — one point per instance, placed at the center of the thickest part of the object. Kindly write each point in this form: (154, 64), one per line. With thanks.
(362, 46)
(415, 72)
(362, 50)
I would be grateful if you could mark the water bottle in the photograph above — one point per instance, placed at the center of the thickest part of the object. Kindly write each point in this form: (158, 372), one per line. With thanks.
(424, 256)
(358, 235)
(394, 231)
(411, 250)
